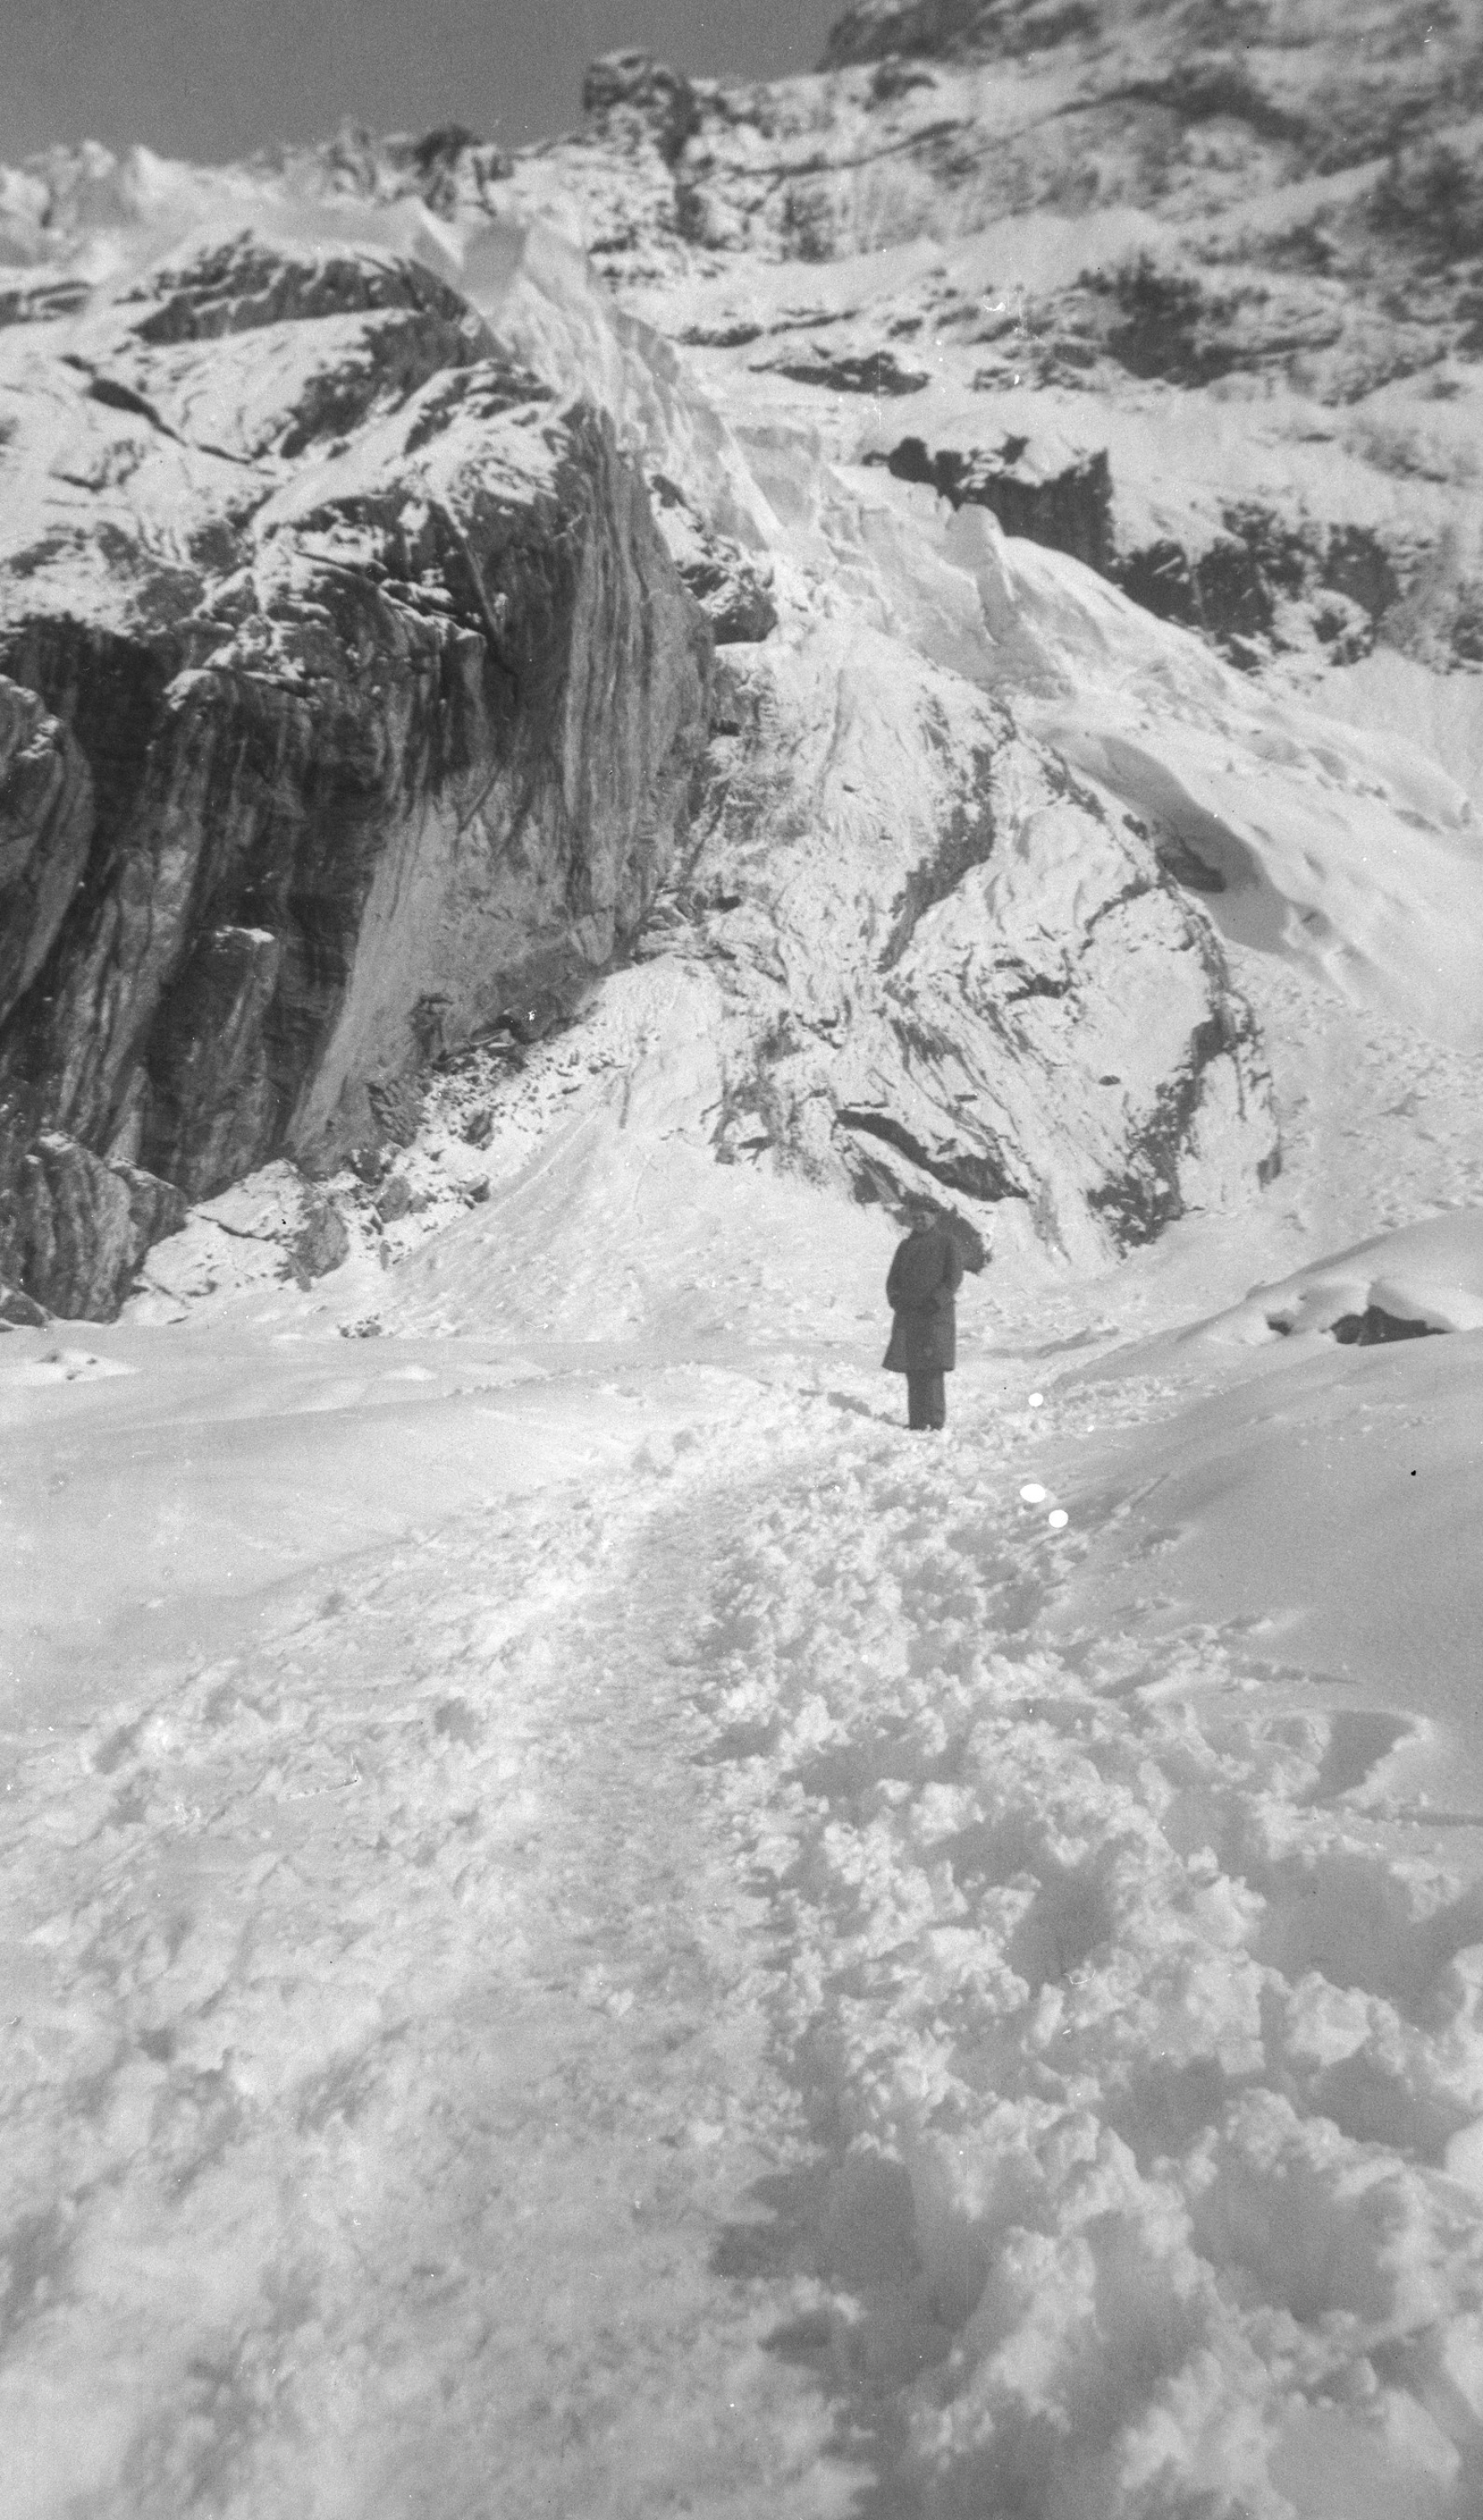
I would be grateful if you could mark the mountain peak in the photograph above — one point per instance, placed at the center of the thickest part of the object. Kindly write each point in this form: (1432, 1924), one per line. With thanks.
(636, 84)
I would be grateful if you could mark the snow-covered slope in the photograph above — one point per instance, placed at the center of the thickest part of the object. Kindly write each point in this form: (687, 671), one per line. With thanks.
(587, 1924)
(1097, 2109)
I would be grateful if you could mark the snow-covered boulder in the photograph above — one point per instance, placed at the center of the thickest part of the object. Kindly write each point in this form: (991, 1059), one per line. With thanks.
(1424, 1278)
(273, 1226)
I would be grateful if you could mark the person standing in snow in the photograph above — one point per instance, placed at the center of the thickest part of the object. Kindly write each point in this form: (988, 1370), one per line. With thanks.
(924, 1277)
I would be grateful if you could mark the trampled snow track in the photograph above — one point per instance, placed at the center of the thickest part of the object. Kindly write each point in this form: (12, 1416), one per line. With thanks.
(1149, 2069)
(409, 2069)
(678, 1998)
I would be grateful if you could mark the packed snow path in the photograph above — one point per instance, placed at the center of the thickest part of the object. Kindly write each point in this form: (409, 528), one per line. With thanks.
(680, 1997)
(410, 2067)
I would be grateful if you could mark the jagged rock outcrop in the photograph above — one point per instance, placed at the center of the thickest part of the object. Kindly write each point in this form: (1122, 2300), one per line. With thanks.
(1262, 580)
(876, 30)
(632, 88)
(274, 1226)
(19, 1312)
(366, 567)
(1201, 200)
(1066, 506)
(731, 586)
(932, 940)
(303, 748)
(46, 813)
(75, 1229)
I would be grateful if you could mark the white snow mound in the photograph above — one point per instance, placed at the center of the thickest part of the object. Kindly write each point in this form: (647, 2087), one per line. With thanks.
(1430, 1273)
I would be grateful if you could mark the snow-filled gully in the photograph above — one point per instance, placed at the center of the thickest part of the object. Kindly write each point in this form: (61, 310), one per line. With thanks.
(678, 1999)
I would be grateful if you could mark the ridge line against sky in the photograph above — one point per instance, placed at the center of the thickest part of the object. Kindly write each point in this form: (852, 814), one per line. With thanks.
(217, 79)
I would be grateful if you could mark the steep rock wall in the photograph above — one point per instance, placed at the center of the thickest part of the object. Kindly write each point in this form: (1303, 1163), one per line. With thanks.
(46, 816)
(417, 742)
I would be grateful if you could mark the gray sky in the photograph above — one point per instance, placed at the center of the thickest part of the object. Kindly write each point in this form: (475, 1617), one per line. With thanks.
(214, 78)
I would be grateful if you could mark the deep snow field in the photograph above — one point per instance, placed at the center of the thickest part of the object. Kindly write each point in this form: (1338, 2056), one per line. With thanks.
(593, 1929)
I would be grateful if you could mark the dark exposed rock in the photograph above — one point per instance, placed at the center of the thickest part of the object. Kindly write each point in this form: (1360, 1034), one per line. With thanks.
(447, 167)
(1147, 1195)
(396, 1107)
(979, 1175)
(321, 1241)
(1376, 1328)
(1221, 591)
(19, 1312)
(444, 156)
(875, 30)
(396, 1200)
(1230, 590)
(966, 841)
(1183, 862)
(485, 390)
(1068, 509)
(1358, 566)
(1168, 326)
(731, 587)
(896, 77)
(734, 597)
(868, 372)
(42, 301)
(633, 82)
(243, 284)
(1431, 196)
(479, 659)
(535, 1013)
(73, 1229)
(720, 337)
(46, 818)
(410, 329)
(1218, 87)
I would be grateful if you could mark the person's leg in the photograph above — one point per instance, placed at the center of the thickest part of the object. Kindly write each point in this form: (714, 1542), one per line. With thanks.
(917, 1400)
(936, 1399)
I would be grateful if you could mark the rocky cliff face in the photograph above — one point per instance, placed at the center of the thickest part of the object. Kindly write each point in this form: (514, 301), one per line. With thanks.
(1271, 217)
(1042, 410)
(935, 964)
(351, 696)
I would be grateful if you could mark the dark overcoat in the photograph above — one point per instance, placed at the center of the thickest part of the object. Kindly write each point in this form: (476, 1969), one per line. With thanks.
(924, 1277)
